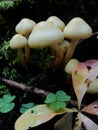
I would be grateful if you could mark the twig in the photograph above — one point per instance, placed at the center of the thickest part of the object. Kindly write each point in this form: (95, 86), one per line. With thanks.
(31, 89)
(24, 87)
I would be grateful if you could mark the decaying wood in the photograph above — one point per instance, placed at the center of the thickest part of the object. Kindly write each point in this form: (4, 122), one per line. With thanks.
(24, 87)
(31, 89)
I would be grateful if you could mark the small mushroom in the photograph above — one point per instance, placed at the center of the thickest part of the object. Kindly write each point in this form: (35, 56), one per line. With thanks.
(93, 87)
(24, 27)
(64, 45)
(57, 22)
(19, 42)
(76, 30)
(45, 34)
(70, 65)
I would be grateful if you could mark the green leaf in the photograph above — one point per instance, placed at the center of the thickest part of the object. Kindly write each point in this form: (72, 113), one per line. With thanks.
(57, 105)
(54, 106)
(62, 105)
(7, 107)
(23, 109)
(50, 98)
(62, 96)
(6, 103)
(8, 98)
(4, 5)
(26, 107)
(1, 102)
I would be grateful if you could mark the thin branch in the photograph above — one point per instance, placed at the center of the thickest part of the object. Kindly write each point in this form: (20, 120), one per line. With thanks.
(31, 89)
(24, 87)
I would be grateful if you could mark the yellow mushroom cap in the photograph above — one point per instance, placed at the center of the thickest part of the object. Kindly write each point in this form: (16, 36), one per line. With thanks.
(77, 28)
(18, 41)
(70, 65)
(25, 26)
(64, 45)
(45, 34)
(57, 22)
(93, 87)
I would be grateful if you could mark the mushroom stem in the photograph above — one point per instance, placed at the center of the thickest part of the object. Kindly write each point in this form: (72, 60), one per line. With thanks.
(57, 54)
(27, 51)
(21, 57)
(27, 54)
(18, 42)
(70, 51)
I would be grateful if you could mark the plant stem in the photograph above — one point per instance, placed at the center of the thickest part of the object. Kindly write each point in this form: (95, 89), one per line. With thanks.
(57, 54)
(27, 54)
(21, 57)
(69, 52)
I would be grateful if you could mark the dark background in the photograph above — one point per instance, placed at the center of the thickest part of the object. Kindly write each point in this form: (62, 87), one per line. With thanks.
(40, 10)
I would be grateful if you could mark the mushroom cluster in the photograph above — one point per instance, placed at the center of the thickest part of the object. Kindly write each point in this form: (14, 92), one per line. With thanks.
(20, 40)
(45, 34)
(52, 33)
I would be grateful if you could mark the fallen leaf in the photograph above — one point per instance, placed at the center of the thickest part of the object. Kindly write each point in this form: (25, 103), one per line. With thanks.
(92, 108)
(87, 123)
(36, 116)
(79, 76)
(65, 123)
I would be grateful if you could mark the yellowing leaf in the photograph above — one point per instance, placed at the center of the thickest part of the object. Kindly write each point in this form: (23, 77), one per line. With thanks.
(82, 75)
(92, 65)
(35, 116)
(79, 77)
(92, 108)
(93, 73)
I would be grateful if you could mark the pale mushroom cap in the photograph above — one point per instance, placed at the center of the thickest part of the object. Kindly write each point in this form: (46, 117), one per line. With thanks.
(77, 28)
(45, 34)
(18, 41)
(25, 26)
(57, 22)
(93, 87)
(70, 65)
(64, 44)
